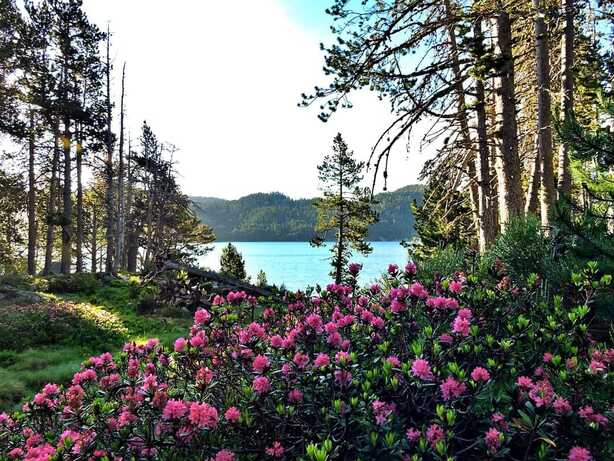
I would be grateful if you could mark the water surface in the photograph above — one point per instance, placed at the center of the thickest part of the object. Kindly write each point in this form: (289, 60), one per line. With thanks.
(297, 264)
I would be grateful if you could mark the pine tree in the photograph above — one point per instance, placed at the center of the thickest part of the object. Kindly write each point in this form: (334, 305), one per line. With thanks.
(345, 209)
(232, 263)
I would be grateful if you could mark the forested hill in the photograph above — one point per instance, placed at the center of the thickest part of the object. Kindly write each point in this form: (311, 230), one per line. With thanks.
(276, 217)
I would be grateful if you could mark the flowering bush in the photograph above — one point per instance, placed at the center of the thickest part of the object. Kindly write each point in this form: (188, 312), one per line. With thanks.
(456, 369)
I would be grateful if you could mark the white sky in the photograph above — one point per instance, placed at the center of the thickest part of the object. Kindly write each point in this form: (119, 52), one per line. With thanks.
(221, 81)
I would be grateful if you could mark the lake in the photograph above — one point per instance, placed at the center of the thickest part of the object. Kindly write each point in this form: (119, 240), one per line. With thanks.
(297, 264)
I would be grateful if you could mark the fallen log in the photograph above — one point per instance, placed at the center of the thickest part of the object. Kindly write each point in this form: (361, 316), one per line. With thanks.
(219, 278)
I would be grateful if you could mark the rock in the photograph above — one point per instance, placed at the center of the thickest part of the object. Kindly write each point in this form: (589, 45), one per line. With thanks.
(14, 296)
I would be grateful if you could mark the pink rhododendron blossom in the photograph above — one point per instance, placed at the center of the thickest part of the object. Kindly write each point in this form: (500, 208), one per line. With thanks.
(201, 316)
(547, 357)
(542, 393)
(260, 363)
(434, 434)
(354, 268)
(445, 338)
(413, 434)
(455, 287)
(321, 360)
(561, 406)
(421, 369)
(295, 396)
(394, 361)
(452, 388)
(180, 344)
(232, 414)
(579, 454)
(175, 409)
(224, 455)
(261, 385)
(411, 268)
(300, 360)
(276, 451)
(382, 411)
(461, 326)
(203, 415)
(393, 269)
(416, 289)
(493, 439)
(524, 382)
(480, 374)
(343, 377)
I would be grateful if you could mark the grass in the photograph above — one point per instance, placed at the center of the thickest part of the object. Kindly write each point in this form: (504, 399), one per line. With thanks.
(23, 371)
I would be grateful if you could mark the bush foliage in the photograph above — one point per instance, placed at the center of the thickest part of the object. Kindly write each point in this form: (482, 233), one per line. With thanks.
(457, 369)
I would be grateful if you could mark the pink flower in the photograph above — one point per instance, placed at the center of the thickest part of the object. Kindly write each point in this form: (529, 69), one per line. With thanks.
(410, 268)
(180, 344)
(493, 439)
(452, 388)
(232, 414)
(382, 410)
(354, 268)
(579, 454)
(547, 357)
(524, 382)
(434, 434)
(480, 374)
(301, 360)
(413, 434)
(422, 369)
(393, 269)
(201, 316)
(295, 396)
(260, 363)
(276, 451)
(394, 361)
(203, 415)
(277, 341)
(315, 322)
(596, 366)
(322, 360)
(445, 338)
(541, 393)
(561, 406)
(224, 455)
(455, 287)
(174, 409)
(417, 290)
(343, 377)
(465, 313)
(204, 375)
(261, 384)
(461, 326)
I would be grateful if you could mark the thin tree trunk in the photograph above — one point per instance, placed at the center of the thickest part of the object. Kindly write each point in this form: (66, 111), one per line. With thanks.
(511, 200)
(544, 125)
(121, 217)
(67, 202)
(487, 229)
(109, 170)
(532, 202)
(80, 224)
(94, 242)
(32, 230)
(51, 207)
(567, 58)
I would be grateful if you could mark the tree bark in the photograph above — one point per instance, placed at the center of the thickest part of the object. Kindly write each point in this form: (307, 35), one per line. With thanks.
(80, 224)
(94, 262)
(487, 229)
(544, 123)
(567, 58)
(121, 216)
(511, 200)
(109, 171)
(532, 202)
(51, 206)
(67, 202)
(32, 230)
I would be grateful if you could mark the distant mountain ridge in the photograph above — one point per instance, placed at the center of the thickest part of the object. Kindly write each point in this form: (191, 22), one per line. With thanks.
(276, 217)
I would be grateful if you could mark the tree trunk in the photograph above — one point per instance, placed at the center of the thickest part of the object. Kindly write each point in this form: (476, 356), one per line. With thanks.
(51, 207)
(67, 202)
(511, 200)
(32, 230)
(121, 216)
(340, 235)
(129, 228)
(567, 58)
(532, 202)
(487, 228)
(109, 171)
(544, 125)
(94, 242)
(79, 239)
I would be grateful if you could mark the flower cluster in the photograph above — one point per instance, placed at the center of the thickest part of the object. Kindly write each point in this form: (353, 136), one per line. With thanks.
(407, 369)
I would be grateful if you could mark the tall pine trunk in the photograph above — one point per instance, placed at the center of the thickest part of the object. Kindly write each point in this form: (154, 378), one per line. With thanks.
(32, 230)
(67, 202)
(109, 171)
(511, 200)
(80, 224)
(52, 201)
(544, 122)
(487, 229)
(121, 216)
(567, 58)
(94, 243)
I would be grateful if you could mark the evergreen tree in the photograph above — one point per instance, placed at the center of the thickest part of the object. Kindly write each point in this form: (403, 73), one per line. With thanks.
(345, 209)
(261, 280)
(232, 263)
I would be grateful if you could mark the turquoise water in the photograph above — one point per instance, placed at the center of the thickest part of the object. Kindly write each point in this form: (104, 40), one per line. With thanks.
(297, 264)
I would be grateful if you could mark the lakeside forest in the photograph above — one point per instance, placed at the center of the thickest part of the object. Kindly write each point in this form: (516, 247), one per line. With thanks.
(494, 341)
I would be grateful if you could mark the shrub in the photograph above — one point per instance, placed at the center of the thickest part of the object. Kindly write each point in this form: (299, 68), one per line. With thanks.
(73, 283)
(463, 369)
(50, 323)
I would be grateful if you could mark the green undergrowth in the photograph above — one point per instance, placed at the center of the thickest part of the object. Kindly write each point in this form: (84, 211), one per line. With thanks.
(47, 341)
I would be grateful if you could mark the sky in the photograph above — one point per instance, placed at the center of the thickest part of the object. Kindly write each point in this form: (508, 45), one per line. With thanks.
(221, 81)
